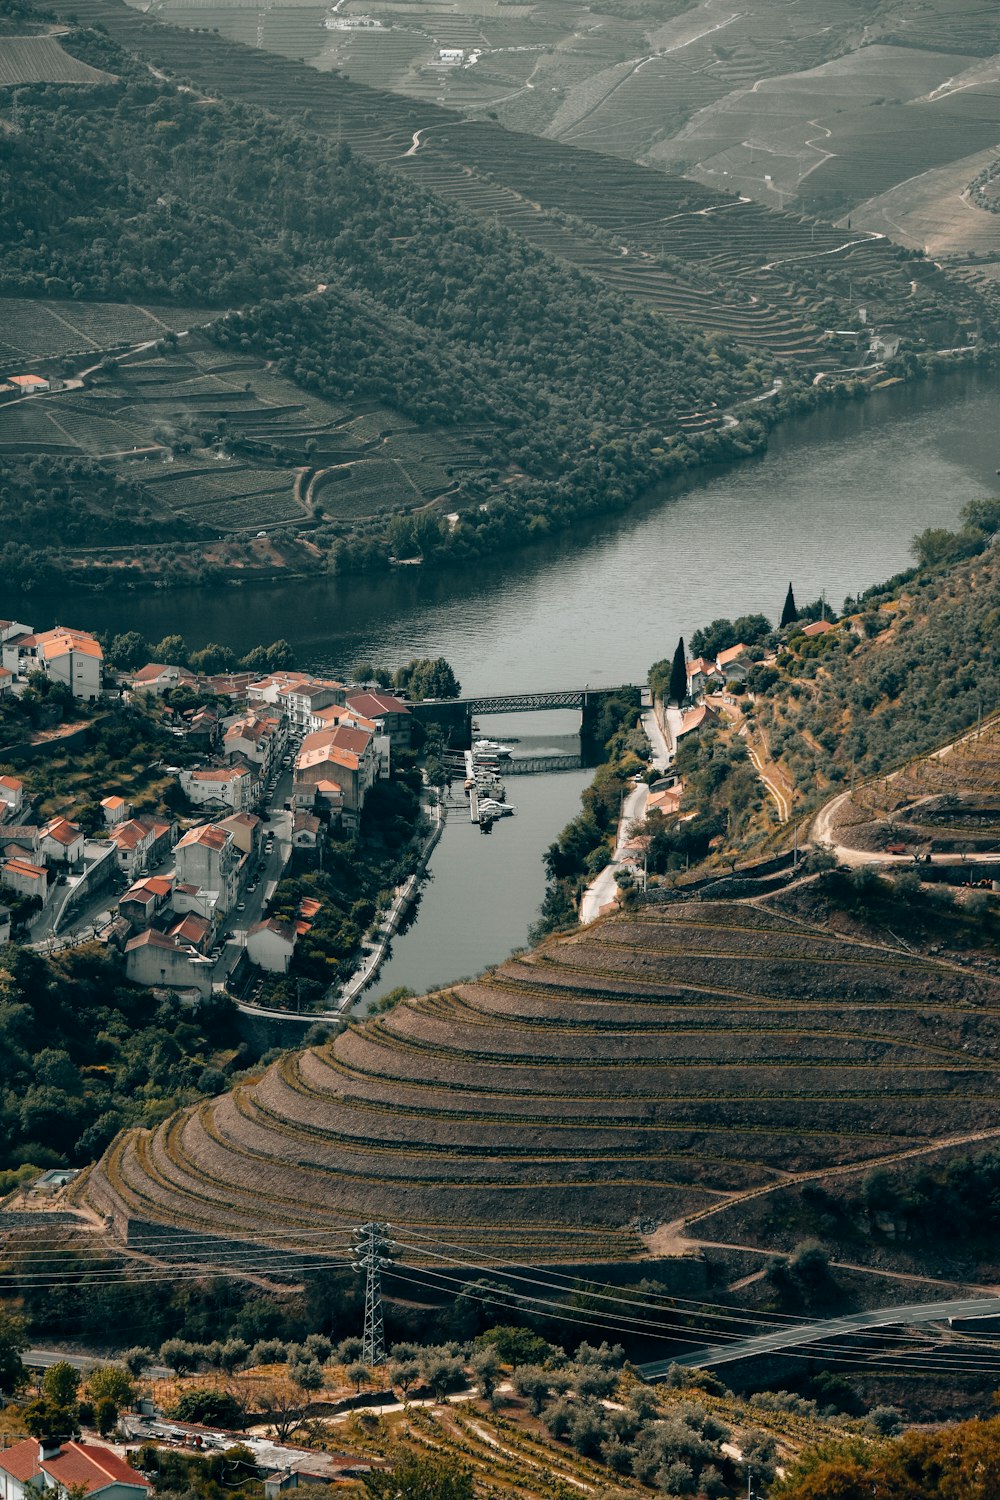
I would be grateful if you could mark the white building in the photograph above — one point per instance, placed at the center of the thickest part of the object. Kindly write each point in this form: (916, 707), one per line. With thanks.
(72, 657)
(208, 860)
(25, 878)
(29, 1469)
(270, 945)
(221, 786)
(61, 842)
(152, 958)
(11, 796)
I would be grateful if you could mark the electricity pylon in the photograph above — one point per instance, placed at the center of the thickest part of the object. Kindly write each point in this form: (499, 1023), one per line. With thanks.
(370, 1243)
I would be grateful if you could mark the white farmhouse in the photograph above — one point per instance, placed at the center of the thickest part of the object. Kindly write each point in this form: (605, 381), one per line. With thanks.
(29, 1469)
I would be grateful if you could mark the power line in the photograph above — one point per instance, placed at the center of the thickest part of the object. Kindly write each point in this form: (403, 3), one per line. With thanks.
(831, 1353)
(726, 1313)
(245, 1261)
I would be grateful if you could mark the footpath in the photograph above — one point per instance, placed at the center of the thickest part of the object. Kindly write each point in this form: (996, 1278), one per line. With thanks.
(603, 889)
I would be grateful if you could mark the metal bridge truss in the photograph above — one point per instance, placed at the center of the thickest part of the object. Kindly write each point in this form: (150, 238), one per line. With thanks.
(513, 703)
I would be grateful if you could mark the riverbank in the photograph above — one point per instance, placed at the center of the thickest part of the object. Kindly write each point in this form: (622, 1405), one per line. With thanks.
(277, 558)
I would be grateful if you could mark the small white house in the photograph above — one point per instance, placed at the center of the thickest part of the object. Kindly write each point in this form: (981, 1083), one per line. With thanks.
(30, 1468)
(62, 842)
(451, 57)
(270, 945)
(11, 796)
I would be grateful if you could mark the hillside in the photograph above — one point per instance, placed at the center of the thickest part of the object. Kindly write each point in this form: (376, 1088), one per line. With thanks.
(913, 668)
(703, 254)
(879, 116)
(569, 1105)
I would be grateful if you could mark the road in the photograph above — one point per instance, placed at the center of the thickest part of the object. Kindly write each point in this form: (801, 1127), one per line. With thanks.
(797, 1335)
(825, 821)
(239, 922)
(604, 888)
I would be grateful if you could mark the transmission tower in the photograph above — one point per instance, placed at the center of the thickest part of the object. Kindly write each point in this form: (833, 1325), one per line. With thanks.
(370, 1244)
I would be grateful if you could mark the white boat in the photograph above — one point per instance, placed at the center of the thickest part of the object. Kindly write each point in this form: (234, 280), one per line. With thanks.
(490, 808)
(490, 747)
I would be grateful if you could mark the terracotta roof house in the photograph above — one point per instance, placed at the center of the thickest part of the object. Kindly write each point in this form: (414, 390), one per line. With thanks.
(115, 809)
(62, 841)
(665, 800)
(158, 677)
(27, 879)
(11, 796)
(72, 657)
(733, 663)
(32, 1468)
(701, 717)
(819, 627)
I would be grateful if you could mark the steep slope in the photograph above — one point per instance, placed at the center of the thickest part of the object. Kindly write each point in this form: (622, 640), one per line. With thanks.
(568, 1103)
(763, 277)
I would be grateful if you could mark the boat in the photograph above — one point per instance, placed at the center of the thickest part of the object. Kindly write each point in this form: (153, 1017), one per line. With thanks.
(490, 808)
(491, 747)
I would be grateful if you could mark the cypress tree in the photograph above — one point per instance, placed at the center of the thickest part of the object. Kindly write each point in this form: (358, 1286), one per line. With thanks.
(790, 611)
(678, 674)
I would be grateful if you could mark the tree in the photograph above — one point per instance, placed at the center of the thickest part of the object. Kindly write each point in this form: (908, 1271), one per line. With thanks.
(171, 651)
(533, 1382)
(12, 1343)
(486, 1368)
(128, 650)
(789, 611)
(357, 1373)
(211, 659)
(46, 1421)
(111, 1383)
(60, 1384)
(678, 674)
(201, 1403)
(179, 1354)
(105, 1416)
(404, 1373)
(426, 678)
(282, 1405)
(418, 1477)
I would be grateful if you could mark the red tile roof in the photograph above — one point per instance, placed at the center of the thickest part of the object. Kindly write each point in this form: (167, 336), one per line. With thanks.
(21, 1459)
(62, 830)
(76, 1464)
(374, 705)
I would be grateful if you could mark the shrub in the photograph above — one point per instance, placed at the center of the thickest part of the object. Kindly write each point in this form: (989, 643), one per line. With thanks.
(201, 1403)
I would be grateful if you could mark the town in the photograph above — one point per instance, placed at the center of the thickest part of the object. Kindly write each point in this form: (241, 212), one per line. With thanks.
(274, 765)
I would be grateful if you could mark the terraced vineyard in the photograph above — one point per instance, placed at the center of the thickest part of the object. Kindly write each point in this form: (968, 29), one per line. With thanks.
(949, 802)
(564, 1105)
(228, 444)
(41, 59)
(699, 254)
(37, 330)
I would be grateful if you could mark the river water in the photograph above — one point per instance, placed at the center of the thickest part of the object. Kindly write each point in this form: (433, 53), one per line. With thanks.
(832, 506)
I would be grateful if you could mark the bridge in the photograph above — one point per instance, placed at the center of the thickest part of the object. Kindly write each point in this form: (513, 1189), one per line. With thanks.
(798, 1336)
(456, 714)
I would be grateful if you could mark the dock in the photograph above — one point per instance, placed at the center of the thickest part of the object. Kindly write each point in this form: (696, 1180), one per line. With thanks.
(470, 775)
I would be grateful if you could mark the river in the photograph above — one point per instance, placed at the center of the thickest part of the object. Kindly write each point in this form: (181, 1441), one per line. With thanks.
(832, 506)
